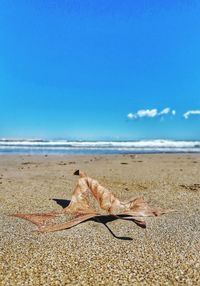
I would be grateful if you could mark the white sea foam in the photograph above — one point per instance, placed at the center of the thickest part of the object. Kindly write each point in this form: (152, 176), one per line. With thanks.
(102, 146)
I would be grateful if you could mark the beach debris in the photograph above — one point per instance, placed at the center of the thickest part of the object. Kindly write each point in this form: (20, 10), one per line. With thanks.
(62, 163)
(133, 156)
(193, 187)
(27, 163)
(69, 163)
(79, 208)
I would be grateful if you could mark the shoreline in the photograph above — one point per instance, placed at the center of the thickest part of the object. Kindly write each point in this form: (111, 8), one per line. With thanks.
(101, 155)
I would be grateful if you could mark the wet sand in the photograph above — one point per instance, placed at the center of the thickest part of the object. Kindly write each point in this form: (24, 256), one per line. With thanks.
(101, 252)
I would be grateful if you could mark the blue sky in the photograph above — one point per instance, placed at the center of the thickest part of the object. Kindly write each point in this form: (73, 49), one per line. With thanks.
(77, 69)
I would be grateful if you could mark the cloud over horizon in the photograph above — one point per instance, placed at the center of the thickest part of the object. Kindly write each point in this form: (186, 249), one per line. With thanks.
(150, 113)
(187, 114)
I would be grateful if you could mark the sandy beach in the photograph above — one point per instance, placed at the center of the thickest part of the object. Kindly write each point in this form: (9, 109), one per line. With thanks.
(112, 252)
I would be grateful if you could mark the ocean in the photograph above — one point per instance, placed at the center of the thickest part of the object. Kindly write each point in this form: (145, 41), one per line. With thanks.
(96, 147)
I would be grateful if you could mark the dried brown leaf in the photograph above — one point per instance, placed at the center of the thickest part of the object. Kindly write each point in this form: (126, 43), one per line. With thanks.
(80, 209)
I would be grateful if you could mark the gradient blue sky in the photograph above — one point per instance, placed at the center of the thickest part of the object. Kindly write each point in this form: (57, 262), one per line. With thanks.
(76, 69)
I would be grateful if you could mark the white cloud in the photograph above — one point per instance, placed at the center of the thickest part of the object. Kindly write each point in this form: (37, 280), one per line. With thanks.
(143, 113)
(150, 113)
(147, 113)
(191, 112)
(130, 115)
(165, 111)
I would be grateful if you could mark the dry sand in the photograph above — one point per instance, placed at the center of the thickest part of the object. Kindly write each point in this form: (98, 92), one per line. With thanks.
(93, 253)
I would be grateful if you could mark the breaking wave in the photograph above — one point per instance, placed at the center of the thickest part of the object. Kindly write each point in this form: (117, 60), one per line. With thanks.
(97, 147)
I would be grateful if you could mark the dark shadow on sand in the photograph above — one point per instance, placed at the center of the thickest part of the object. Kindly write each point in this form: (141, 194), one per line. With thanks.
(100, 219)
(61, 202)
(104, 220)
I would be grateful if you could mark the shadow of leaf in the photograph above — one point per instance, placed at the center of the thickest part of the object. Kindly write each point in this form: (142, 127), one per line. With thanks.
(100, 219)
(61, 202)
(104, 220)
